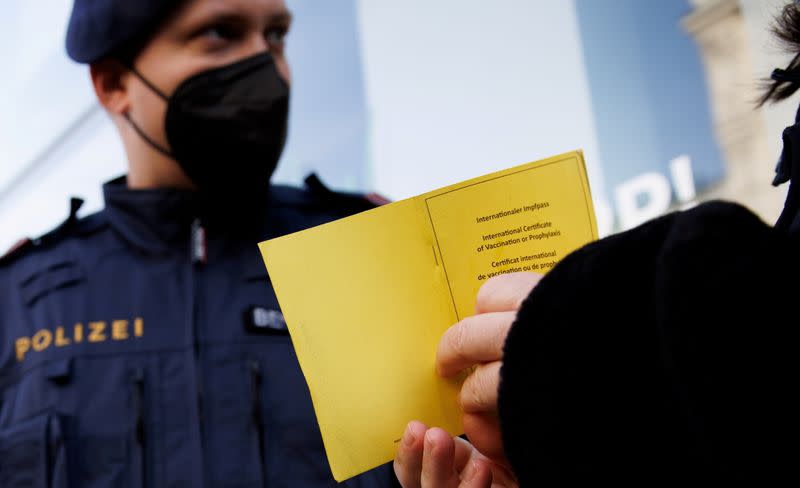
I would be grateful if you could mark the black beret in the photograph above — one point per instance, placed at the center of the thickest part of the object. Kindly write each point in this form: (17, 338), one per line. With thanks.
(98, 28)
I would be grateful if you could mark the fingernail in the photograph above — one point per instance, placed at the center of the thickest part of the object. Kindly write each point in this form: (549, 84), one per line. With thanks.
(408, 436)
(428, 440)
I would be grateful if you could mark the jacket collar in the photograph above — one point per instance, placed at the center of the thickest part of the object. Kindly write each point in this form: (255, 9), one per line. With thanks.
(161, 220)
(154, 220)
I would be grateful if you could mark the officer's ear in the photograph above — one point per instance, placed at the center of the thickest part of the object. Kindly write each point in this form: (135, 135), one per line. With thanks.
(110, 80)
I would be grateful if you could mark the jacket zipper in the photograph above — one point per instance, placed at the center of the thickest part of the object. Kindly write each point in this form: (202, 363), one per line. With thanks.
(199, 257)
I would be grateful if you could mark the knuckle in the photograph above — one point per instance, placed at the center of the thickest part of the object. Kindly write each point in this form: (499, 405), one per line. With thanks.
(477, 399)
(505, 322)
(498, 342)
(472, 393)
(459, 338)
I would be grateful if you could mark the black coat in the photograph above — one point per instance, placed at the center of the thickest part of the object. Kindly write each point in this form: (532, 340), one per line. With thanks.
(662, 356)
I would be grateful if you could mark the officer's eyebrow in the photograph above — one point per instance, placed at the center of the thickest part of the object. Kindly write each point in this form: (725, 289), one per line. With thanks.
(283, 17)
(222, 13)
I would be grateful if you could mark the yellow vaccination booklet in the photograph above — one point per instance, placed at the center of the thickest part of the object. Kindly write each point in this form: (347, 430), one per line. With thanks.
(367, 298)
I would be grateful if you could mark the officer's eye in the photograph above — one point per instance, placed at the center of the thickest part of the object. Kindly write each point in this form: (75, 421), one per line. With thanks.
(276, 37)
(220, 32)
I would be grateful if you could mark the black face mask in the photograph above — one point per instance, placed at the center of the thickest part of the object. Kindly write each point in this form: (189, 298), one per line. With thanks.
(226, 127)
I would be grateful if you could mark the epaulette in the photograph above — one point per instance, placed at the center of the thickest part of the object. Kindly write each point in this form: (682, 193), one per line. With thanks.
(355, 201)
(27, 244)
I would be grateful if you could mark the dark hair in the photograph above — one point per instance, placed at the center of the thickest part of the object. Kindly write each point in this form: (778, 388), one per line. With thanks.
(784, 83)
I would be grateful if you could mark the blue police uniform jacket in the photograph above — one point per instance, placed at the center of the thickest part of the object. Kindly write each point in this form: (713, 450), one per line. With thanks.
(143, 346)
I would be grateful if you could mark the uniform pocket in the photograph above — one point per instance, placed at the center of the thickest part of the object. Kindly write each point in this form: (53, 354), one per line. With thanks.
(32, 454)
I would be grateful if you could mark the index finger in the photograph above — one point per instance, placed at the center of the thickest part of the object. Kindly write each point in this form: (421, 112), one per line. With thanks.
(476, 339)
(505, 292)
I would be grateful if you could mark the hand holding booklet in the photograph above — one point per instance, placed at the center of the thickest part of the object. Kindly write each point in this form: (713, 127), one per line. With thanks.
(367, 298)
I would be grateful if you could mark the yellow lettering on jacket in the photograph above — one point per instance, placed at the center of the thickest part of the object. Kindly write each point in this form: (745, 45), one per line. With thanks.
(22, 346)
(119, 330)
(77, 333)
(97, 331)
(61, 341)
(138, 327)
(42, 340)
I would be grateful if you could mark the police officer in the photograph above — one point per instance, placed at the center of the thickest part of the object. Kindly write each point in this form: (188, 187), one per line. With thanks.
(143, 346)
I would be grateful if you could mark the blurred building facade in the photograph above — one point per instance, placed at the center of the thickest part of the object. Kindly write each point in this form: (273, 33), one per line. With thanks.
(732, 36)
(404, 97)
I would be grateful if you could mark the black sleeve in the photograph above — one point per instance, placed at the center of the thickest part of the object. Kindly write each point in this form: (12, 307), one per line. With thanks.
(662, 356)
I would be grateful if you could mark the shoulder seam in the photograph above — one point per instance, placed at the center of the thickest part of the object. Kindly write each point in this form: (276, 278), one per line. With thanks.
(70, 227)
